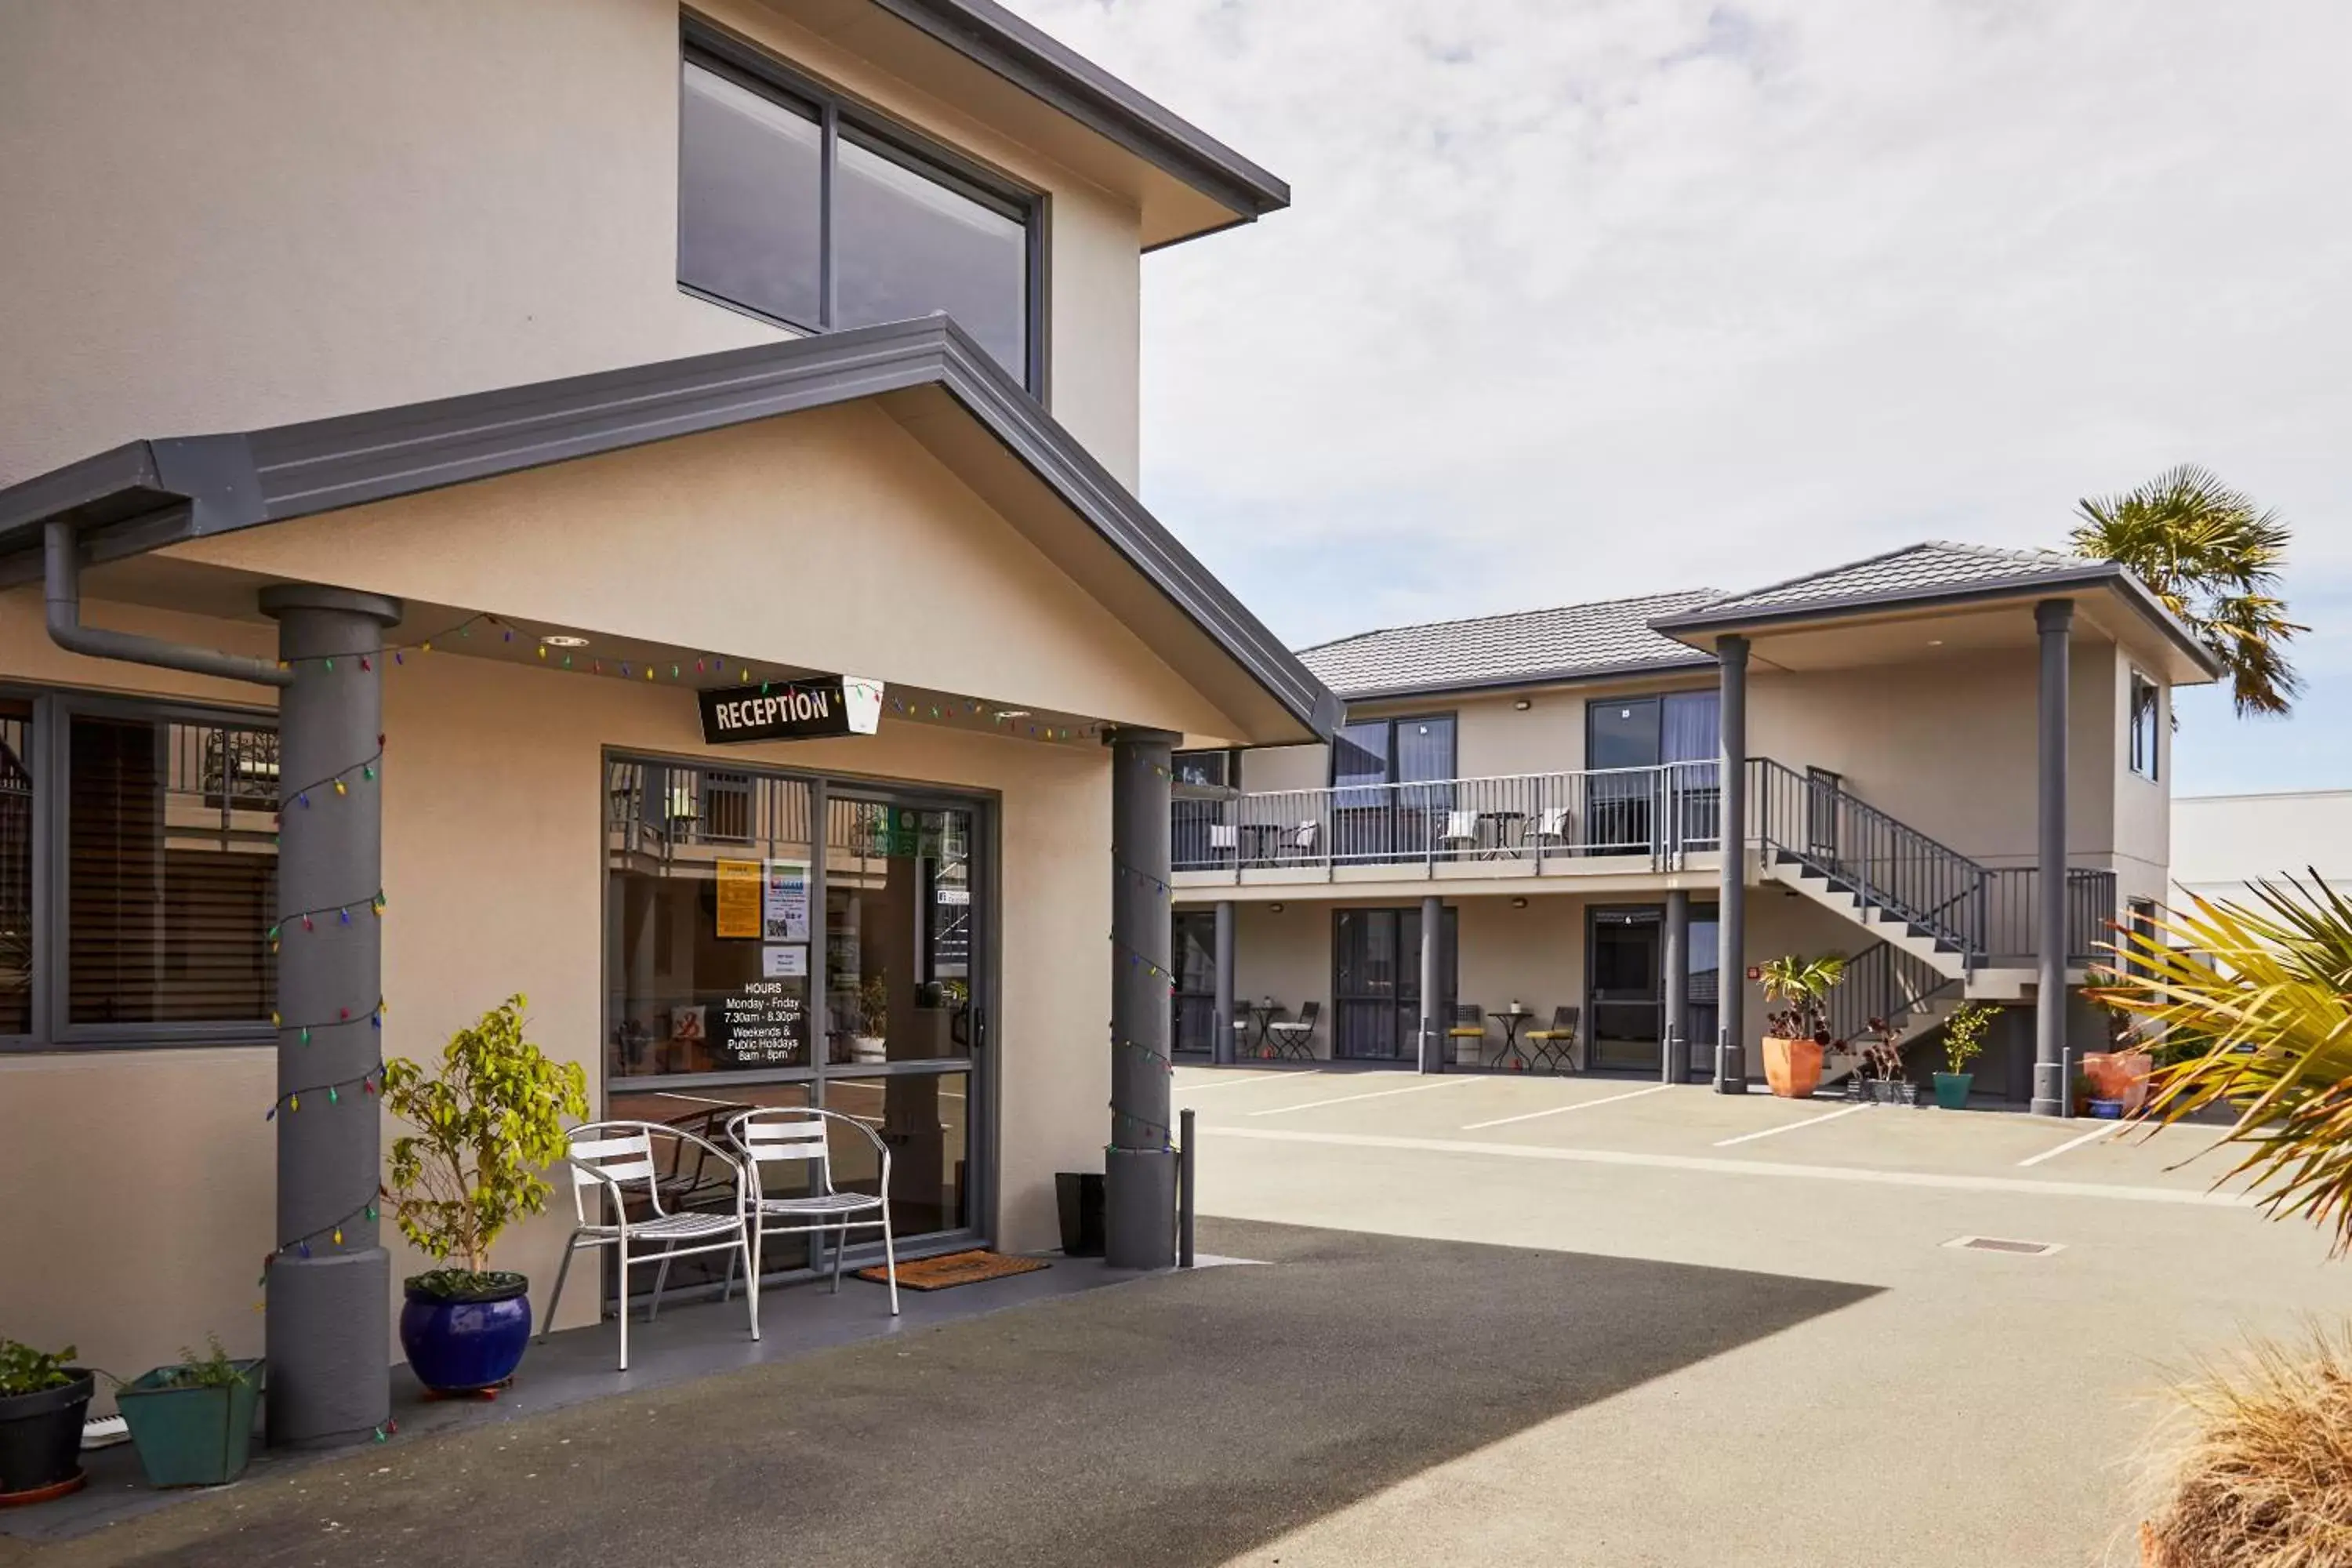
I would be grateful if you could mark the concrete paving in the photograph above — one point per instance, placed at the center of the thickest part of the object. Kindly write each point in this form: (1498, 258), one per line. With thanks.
(1507, 1321)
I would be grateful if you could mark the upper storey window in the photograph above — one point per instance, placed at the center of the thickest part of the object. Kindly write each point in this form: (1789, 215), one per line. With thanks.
(798, 208)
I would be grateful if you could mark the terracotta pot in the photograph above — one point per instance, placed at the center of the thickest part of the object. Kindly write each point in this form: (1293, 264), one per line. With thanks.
(2119, 1074)
(1792, 1068)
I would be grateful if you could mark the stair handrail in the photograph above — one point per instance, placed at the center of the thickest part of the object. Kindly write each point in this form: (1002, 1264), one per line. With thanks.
(1868, 990)
(1955, 882)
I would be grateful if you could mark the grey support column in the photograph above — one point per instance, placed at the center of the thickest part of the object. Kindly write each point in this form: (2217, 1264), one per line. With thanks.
(1139, 1176)
(1434, 1040)
(329, 1281)
(1222, 1044)
(2053, 620)
(1731, 1004)
(1674, 1051)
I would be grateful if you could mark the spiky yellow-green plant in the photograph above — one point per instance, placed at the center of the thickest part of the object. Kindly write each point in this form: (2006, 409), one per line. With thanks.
(2253, 1002)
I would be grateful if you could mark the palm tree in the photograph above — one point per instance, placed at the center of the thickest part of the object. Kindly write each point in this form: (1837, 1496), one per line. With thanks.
(2253, 1003)
(2213, 557)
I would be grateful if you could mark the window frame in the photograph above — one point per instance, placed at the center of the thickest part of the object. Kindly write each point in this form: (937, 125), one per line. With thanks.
(52, 1030)
(705, 44)
(2137, 683)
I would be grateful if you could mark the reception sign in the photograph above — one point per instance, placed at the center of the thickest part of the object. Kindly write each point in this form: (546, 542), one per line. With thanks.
(819, 708)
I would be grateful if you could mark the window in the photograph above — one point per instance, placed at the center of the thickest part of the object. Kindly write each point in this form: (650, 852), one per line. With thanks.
(800, 209)
(1392, 751)
(138, 873)
(2147, 721)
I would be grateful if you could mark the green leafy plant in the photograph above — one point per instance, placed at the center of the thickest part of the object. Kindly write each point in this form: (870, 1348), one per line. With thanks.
(213, 1369)
(1964, 1034)
(1801, 985)
(2266, 986)
(2214, 558)
(23, 1370)
(487, 1124)
(873, 1003)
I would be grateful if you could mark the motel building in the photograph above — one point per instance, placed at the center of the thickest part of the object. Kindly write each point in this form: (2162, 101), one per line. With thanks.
(629, 506)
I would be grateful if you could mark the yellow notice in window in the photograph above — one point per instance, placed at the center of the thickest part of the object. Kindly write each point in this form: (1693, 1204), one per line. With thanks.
(740, 886)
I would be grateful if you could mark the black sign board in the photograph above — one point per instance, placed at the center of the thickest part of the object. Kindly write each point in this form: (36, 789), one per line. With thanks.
(815, 709)
(763, 1024)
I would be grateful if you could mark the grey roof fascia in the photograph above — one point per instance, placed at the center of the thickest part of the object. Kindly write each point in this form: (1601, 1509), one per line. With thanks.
(2091, 574)
(1045, 68)
(147, 494)
(1571, 675)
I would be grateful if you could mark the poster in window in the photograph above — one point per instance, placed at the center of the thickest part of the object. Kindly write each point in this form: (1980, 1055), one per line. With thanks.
(784, 901)
(739, 900)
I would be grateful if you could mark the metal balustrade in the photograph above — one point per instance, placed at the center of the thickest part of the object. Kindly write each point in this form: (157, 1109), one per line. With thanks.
(2013, 912)
(1888, 865)
(1882, 981)
(1656, 813)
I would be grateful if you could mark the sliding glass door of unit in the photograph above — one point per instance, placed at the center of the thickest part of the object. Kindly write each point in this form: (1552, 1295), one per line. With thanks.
(1626, 741)
(1376, 982)
(1393, 785)
(1626, 1000)
(1704, 991)
(1195, 999)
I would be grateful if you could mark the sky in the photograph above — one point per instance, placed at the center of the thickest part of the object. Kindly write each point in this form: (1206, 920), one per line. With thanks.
(1585, 298)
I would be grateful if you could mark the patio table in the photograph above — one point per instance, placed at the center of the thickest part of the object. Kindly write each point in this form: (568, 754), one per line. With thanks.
(1255, 837)
(1262, 1019)
(1511, 1017)
(1504, 834)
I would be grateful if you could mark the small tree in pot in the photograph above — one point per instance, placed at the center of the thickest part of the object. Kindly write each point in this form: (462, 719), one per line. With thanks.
(486, 1125)
(42, 1398)
(1964, 1034)
(1798, 1030)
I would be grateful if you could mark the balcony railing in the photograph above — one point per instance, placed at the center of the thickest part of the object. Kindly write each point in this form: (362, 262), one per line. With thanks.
(2012, 913)
(1657, 813)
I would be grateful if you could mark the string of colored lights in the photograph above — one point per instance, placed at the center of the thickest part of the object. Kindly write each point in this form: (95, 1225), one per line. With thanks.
(340, 778)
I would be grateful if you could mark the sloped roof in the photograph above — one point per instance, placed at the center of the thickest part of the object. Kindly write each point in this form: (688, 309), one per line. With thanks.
(1608, 637)
(1936, 566)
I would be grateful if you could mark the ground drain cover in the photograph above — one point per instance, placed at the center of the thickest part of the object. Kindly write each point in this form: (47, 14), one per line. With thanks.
(2000, 1243)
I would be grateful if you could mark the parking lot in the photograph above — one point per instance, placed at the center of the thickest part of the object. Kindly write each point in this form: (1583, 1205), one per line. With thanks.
(1974, 1406)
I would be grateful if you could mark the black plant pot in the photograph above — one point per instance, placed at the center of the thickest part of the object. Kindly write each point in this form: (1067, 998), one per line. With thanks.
(40, 1440)
(1080, 1196)
(1882, 1091)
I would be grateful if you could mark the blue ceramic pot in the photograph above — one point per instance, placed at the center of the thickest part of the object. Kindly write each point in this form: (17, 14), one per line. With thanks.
(463, 1344)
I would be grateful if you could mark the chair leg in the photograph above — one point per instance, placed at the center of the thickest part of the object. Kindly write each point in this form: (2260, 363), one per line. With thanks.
(555, 1296)
(623, 1313)
(661, 1279)
(727, 1289)
(840, 1247)
(750, 1276)
(890, 1260)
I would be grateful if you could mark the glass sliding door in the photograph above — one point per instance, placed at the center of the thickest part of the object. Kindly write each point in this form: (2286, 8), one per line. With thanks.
(1627, 999)
(1393, 784)
(1196, 980)
(1376, 982)
(1626, 807)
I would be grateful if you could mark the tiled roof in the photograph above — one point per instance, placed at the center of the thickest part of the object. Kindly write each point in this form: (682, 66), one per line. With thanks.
(1935, 567)
(1495, 650)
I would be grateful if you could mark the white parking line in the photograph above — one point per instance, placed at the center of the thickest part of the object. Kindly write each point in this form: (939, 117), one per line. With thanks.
(1375, 1094)
(1789, 1127)
(1245, 1082)
(1579, 1105)
(2105, 1130)
(2039, 1186)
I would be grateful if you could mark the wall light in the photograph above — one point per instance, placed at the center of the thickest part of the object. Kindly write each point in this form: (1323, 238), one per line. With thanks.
(1519, 903)
(1522, 705)
(563, 639)
(1274, 908)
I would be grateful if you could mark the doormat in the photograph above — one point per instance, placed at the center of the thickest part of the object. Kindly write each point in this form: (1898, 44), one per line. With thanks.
(951, 1269)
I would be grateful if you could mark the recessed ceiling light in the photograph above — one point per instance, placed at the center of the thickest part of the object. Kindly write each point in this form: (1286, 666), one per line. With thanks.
(1014, 713)
(565, 640)
(1935, 642)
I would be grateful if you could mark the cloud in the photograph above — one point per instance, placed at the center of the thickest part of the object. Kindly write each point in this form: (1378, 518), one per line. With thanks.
(1638, 294)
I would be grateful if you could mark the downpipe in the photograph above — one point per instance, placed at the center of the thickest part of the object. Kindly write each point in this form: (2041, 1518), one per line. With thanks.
(61, 586)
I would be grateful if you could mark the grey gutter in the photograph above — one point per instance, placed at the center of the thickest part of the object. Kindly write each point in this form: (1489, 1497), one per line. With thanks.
(148, 494)
(1574, 675)
(1045, 68)
(2091, 574)
(62, 591)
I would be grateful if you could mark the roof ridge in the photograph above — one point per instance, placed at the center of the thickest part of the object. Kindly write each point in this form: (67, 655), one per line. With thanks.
(1510, 616)
(2002, 552)
(1824, 571)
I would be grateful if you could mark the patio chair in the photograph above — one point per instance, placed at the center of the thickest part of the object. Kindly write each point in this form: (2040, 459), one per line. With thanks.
(1461, 834)
(1225, 839)
(1557, 1044)
(797, 1133)
(616, 1160)
(1469, 1023)
(1296, 1037)
(1550, 829)
(1298, 842)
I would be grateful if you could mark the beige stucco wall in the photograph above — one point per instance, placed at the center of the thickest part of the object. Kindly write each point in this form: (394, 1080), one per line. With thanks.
(2143, 808)
(277, 210)
(1949, 745)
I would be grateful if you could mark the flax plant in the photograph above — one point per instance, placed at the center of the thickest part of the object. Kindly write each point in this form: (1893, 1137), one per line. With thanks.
(2253, 1003)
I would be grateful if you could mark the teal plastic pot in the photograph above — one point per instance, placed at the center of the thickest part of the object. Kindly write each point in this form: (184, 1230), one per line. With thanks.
(1952, 1089)
(191, 1436)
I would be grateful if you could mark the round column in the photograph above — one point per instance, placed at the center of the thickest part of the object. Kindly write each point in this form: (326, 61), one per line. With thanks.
(1139, 1171)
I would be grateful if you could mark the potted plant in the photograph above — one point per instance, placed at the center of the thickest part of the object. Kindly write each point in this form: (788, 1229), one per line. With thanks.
(1798, 1030)
(1964, 1034)
(1881, 1079)
(871, 1044)
(192, 1422)
(486, 1125)
(42, 1398)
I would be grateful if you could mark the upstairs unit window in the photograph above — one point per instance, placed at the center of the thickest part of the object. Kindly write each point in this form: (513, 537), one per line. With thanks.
(797, 207)
(2146, 723)
(1393, 752)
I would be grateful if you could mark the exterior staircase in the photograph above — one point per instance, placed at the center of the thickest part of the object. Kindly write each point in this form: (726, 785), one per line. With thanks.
(1948, 929)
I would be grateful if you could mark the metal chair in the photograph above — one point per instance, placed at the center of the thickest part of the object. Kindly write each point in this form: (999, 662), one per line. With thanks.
(1469, 1023)
(797, 1133)
(1298, 842)
(1296, 1037)
(1550, 829)
(1557, 1044)
(1224, 840)
(616, 1160)
(1461, 834)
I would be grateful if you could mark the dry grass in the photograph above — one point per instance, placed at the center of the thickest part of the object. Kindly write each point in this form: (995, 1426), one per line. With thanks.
(2258, 1470)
